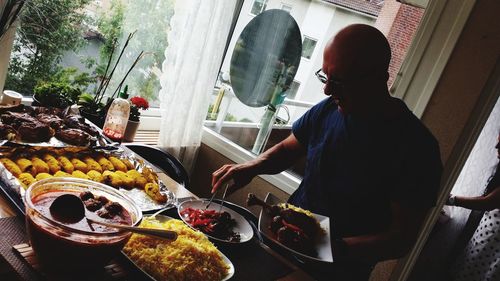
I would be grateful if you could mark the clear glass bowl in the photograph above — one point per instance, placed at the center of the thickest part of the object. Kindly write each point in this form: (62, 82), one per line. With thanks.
(62, 248)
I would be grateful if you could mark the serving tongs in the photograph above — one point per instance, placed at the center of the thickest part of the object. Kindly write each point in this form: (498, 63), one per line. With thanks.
(231, 182)
(211, 199)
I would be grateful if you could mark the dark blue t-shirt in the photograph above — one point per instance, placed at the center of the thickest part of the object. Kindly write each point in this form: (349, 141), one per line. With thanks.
(356, 168)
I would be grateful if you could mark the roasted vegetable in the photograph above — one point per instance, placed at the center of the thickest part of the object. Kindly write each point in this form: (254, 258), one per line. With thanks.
(80, 174)
(92, 164)
(127, 182)
(42, 176)
(118, 164)
(11, 166)
(105, 164)
(26, 179)
(153, 191)
(149, 174)
(39, 166)
(139, 180)
(66, 165)
(24, 164)
(95, 176)
(110, 178)
(79, 165)
(61, 174)
(52, 163)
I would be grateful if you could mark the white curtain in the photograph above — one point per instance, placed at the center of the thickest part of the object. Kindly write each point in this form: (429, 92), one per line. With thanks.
(199, 30)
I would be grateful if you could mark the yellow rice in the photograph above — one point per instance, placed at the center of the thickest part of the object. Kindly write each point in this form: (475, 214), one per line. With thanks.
(191, 257)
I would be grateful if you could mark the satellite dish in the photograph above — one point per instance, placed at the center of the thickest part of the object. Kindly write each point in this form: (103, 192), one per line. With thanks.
(266, 58)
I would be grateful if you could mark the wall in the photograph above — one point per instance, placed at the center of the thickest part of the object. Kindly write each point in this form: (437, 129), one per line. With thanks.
(449, 109)
(435, 259)
(400, 35)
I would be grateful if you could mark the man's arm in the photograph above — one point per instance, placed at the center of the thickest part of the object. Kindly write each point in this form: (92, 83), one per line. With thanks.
(392, 243)
(274, 160)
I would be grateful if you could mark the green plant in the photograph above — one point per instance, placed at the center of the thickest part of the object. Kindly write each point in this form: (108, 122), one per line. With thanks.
(57, 94)
(64, 88)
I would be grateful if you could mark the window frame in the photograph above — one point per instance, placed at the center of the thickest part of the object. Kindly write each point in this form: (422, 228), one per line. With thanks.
(261, 10)
(314, 49)
(286, 5)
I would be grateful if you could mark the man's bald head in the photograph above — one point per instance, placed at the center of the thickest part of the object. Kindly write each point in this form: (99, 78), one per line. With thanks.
(359, 49)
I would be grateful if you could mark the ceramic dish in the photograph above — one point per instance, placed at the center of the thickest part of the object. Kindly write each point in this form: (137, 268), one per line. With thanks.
(162, 219)
(323, 246)
(242, 226)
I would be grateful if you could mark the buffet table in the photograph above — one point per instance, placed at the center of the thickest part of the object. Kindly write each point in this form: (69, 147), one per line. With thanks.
(252, 260)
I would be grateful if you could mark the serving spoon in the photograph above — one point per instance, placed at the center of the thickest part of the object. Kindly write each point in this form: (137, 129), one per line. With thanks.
(69, 208)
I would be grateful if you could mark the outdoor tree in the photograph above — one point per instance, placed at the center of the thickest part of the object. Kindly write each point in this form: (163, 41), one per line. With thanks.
(47, 30)
(109, 25)
(151, 21)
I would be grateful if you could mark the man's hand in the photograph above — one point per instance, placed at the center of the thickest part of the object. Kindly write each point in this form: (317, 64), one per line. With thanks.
(272, 161)
(241, 174)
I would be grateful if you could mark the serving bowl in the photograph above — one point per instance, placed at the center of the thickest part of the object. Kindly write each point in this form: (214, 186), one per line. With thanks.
(67, 247)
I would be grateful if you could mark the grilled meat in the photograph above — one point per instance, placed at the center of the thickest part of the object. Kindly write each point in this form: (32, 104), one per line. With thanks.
(16, 119)
(52, 120)
(78, 122)
(35, 132)
(7, 132)
(74, 137)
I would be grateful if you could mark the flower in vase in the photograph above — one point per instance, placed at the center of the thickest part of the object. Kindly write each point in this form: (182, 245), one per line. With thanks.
(137, 103)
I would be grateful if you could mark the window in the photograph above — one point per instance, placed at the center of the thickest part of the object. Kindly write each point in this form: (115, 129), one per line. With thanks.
(242, 123)
(78, 41)
(258, 6)
(286, 7)
(308, 47)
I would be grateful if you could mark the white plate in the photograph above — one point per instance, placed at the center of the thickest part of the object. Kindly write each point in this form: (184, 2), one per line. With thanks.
(162, 219)
(242, 226)
(323, 246)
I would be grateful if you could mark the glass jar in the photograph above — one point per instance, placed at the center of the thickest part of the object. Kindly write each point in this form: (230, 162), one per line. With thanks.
(62, 248)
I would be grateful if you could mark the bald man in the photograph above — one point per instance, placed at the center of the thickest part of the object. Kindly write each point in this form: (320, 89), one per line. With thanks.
(371, 165)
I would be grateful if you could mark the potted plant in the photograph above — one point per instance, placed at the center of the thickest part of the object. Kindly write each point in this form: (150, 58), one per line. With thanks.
(136, 103)
(63, 88)
(55, 94)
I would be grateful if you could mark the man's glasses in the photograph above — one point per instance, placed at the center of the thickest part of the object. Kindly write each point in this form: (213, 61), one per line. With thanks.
(332, 85)
(322, 77)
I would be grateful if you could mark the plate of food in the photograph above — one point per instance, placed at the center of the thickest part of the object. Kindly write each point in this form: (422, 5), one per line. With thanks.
(305, 234)
(191, 257)
(22, 166)
(216, 221)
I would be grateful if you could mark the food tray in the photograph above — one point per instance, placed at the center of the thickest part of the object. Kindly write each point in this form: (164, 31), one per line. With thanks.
(15, 191)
